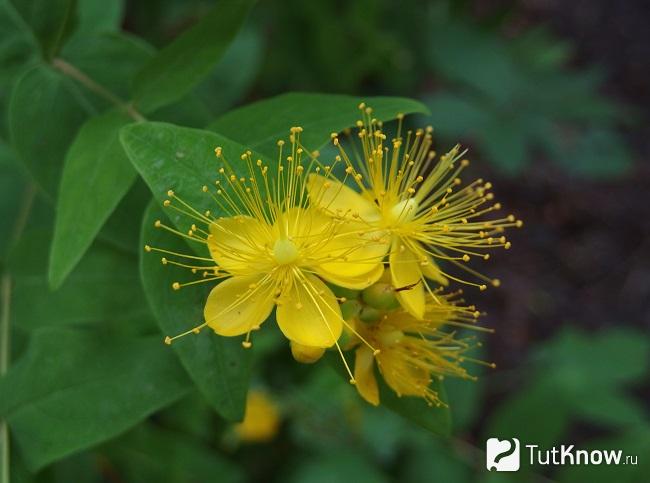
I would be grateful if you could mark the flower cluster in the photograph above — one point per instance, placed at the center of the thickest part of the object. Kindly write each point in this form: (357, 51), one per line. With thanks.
(384, 222)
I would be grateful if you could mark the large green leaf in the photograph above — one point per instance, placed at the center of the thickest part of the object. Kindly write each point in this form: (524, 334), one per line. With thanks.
(261, 124)
(172, 157)
(73, 389)
(41, 100)
(96, 175)
(181, 65)
(219, 366)
(51, 21)
(104, 289)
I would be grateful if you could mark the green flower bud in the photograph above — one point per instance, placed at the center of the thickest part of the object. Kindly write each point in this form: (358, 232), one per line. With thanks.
(380, 296)
(370, 314)
(350, 309)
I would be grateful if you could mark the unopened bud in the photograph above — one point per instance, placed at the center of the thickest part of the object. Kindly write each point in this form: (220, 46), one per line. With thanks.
(380, 296)
(350, 309)
(370, 314)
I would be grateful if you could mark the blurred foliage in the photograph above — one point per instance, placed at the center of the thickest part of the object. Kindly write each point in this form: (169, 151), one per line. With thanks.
(92, 395)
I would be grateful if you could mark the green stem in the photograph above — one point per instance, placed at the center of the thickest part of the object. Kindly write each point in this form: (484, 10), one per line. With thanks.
(5, 333)
(5, 296)
(71, 71)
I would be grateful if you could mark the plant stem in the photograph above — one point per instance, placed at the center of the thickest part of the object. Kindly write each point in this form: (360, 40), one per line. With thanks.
(5, 296)
(5, 333)
(71, 71)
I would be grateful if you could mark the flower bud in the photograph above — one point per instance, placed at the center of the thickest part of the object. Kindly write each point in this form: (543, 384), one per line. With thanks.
(380, 296)
(350, 309)
(305, 353)
(370, 314)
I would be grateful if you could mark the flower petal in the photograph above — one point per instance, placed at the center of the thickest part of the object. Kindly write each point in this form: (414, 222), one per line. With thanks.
(332, 196)
(364, 375)
(354, 251)
(234, 308)
(356, 282)
(431, 270)
(406, 274)
(238, 242)
(309, 313)
(306, 354)
(400, 375)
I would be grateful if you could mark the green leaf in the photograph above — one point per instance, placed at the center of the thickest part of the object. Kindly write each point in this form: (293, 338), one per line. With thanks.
(73, 389)
(103, 289)
(17, 44)
(234, 74)
(219, 366)
(435, 419)
(505, 144)
(434, 457)
(181, 65)
(337, 466)
(609, 408)
(151, 454)
(537, 412)
(96, 175)
(122, 229)
(42, 99)
(261, 124)
(178, 158)
(51, 21)
(598, 153)
(635, 442)
(99, 16)
(627, 350)
(13, 185)
(111, 59)
(18, 48)
(455, 116)
(463, 54)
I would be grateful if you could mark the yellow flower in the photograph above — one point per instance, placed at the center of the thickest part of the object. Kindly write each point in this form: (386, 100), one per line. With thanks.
(261, 421)
(411, 351)
(274, 250)
(419, 202)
